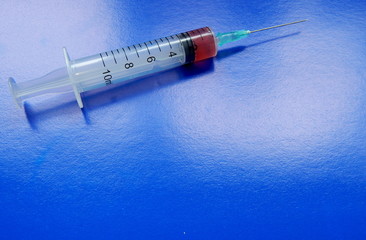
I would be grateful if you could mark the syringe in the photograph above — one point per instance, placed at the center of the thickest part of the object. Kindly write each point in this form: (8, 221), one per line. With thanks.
(128, 63)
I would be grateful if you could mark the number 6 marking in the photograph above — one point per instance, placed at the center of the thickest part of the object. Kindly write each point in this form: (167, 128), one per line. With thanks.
(150, 59)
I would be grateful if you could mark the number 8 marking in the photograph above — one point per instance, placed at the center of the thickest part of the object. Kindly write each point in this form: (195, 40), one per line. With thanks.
(129, 65)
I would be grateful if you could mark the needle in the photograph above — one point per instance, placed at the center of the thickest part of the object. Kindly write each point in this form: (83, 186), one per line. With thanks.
(277, 26)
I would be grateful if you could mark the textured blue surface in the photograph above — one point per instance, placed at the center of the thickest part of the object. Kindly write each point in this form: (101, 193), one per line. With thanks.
(267, 141)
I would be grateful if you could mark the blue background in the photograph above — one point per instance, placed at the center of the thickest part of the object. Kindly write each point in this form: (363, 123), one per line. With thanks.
(266, 141)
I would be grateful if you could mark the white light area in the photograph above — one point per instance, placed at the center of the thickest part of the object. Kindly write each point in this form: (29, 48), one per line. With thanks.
(40, 30)
(37, 33)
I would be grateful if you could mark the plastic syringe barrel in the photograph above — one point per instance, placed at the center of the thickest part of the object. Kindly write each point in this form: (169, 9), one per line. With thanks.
(121, 65)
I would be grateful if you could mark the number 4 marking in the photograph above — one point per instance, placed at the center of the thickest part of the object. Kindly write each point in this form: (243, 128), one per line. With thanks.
(172, 54)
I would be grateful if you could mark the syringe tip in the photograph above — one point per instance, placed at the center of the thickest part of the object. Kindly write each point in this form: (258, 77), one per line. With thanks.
(223, 38)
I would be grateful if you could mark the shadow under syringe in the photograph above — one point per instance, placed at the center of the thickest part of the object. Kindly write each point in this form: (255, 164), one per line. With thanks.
(105, 96)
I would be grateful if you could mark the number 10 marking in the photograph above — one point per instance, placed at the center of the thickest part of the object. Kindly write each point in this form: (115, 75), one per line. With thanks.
(107, 77)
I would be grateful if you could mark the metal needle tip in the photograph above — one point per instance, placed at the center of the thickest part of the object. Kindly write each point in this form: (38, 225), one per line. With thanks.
(278, 26)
